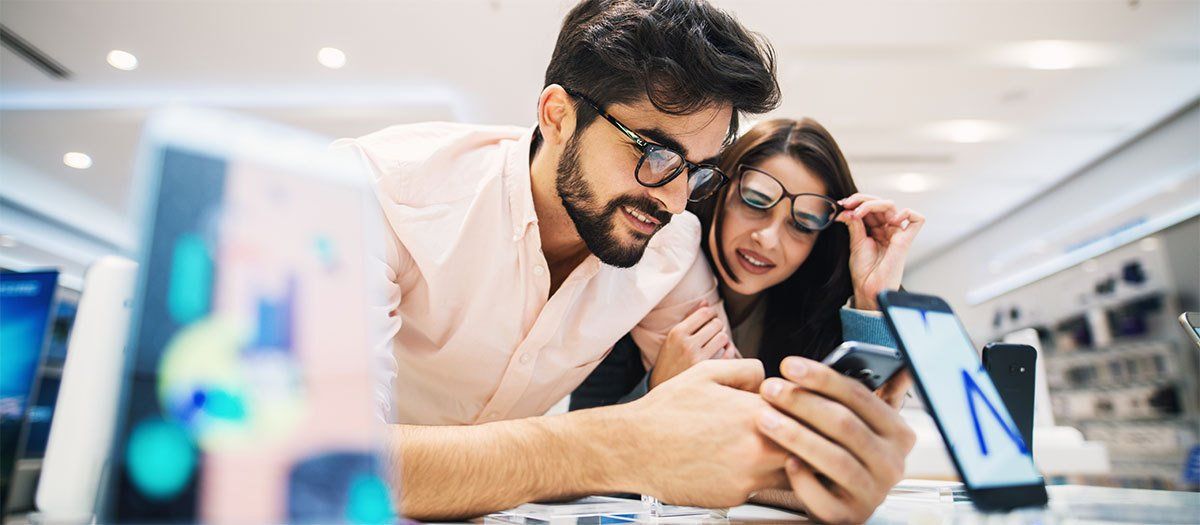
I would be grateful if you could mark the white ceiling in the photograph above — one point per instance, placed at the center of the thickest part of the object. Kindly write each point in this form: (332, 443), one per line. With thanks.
(878, 74)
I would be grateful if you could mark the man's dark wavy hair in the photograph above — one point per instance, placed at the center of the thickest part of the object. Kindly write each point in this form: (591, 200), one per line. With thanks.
(683, 55)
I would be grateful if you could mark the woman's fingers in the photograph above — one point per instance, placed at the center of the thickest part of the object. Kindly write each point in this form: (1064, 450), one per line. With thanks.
(702, 336)
(858, 230)
(876, 213)
(698, 318)
(715, 347)
(853, 201)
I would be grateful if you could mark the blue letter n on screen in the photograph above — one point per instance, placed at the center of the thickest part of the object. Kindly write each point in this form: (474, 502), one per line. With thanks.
(972, 390)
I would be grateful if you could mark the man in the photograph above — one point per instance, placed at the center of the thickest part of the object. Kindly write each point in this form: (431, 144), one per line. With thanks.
(517, 258)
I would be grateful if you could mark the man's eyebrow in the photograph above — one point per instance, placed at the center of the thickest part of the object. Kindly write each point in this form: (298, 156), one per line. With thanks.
(663, 138)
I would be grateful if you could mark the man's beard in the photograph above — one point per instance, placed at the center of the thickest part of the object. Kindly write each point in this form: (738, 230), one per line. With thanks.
(597, 225)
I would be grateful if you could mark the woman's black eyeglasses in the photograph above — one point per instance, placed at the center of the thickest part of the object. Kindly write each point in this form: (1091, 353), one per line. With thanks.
(761, 190)
(660, 165)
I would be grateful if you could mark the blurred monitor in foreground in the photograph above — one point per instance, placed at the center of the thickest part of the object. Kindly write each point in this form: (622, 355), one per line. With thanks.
(248, 394)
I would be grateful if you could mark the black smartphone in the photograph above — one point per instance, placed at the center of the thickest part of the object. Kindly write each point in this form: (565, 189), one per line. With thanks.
(1012, 368)
(988, 451)
(872, 365)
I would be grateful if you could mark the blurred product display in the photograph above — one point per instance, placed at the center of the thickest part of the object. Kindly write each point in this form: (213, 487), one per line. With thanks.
(1117, 364)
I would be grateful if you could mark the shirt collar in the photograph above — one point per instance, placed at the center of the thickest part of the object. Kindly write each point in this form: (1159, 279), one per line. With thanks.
(518, 183)
(519, 186)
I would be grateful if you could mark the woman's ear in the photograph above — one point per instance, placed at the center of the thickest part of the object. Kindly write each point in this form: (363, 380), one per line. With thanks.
(556, 115)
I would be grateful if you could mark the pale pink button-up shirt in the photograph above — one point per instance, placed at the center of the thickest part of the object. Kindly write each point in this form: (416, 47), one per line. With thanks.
(472, 334)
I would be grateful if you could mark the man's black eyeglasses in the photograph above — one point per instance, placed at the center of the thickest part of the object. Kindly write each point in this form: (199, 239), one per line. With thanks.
(660, 165)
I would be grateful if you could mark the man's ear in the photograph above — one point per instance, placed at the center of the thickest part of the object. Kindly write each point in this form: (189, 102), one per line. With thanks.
(556, 115)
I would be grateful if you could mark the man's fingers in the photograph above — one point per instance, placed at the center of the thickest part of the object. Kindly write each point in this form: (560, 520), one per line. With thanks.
(814, 376)
(896, 389)
(826, 457)
(834, 421)
(742, 374)
(818, 500)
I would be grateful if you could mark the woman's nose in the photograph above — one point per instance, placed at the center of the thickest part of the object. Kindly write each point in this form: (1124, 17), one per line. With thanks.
(767, 236)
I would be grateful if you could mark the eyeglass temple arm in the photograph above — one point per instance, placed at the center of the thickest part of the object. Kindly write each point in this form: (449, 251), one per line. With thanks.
(628, 132)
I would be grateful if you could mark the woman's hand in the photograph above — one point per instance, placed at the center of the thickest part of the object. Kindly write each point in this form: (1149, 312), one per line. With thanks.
(880, 236)
(699, 337)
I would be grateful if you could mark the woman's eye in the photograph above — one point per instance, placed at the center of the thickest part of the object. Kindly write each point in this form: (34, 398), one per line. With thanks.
(752, 206)
(756, 200)
(802, 228)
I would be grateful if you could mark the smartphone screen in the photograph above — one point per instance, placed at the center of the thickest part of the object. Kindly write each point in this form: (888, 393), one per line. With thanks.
(977, 426)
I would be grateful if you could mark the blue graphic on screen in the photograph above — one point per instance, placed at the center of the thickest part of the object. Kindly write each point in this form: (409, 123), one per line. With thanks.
(976, 423)
(25, 301)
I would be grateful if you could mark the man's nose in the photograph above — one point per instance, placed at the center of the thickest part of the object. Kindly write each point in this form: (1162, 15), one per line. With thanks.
(673, 195)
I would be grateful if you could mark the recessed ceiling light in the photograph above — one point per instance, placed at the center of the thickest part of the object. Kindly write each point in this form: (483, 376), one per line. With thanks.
(77, 160)
(1053, 54)
(968, 131)
(331, 57)
(123, 60)
(1056, 54)
(912, 182)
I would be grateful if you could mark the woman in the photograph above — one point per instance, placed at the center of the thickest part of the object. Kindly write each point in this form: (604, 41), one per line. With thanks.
(793, 280)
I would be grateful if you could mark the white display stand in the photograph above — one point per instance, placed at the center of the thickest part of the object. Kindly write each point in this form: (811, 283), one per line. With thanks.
(1057, 451)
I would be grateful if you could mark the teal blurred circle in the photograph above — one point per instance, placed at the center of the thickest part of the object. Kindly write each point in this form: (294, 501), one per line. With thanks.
(367, 501)
(160, 458)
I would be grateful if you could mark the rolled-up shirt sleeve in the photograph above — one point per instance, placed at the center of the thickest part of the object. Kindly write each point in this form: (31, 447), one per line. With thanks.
(698, 284)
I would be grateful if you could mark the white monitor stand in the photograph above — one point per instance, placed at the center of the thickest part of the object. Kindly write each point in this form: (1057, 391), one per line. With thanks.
(81, 432)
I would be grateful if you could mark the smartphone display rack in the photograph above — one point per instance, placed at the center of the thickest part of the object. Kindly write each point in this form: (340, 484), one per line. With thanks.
(1118, 365)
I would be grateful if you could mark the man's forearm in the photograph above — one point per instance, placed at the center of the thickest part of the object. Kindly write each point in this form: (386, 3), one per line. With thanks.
(781, 497)
(459, 472)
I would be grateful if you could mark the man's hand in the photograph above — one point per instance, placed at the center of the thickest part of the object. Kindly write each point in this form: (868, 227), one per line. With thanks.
(700, 442)
(847, 444)
(701, 336)
(895, 390)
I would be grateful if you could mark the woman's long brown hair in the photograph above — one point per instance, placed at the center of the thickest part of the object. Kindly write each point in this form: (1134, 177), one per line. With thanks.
(802, 312)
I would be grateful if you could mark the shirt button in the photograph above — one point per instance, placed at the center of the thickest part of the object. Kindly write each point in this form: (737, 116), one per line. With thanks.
(525, 358)
(538, 270)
